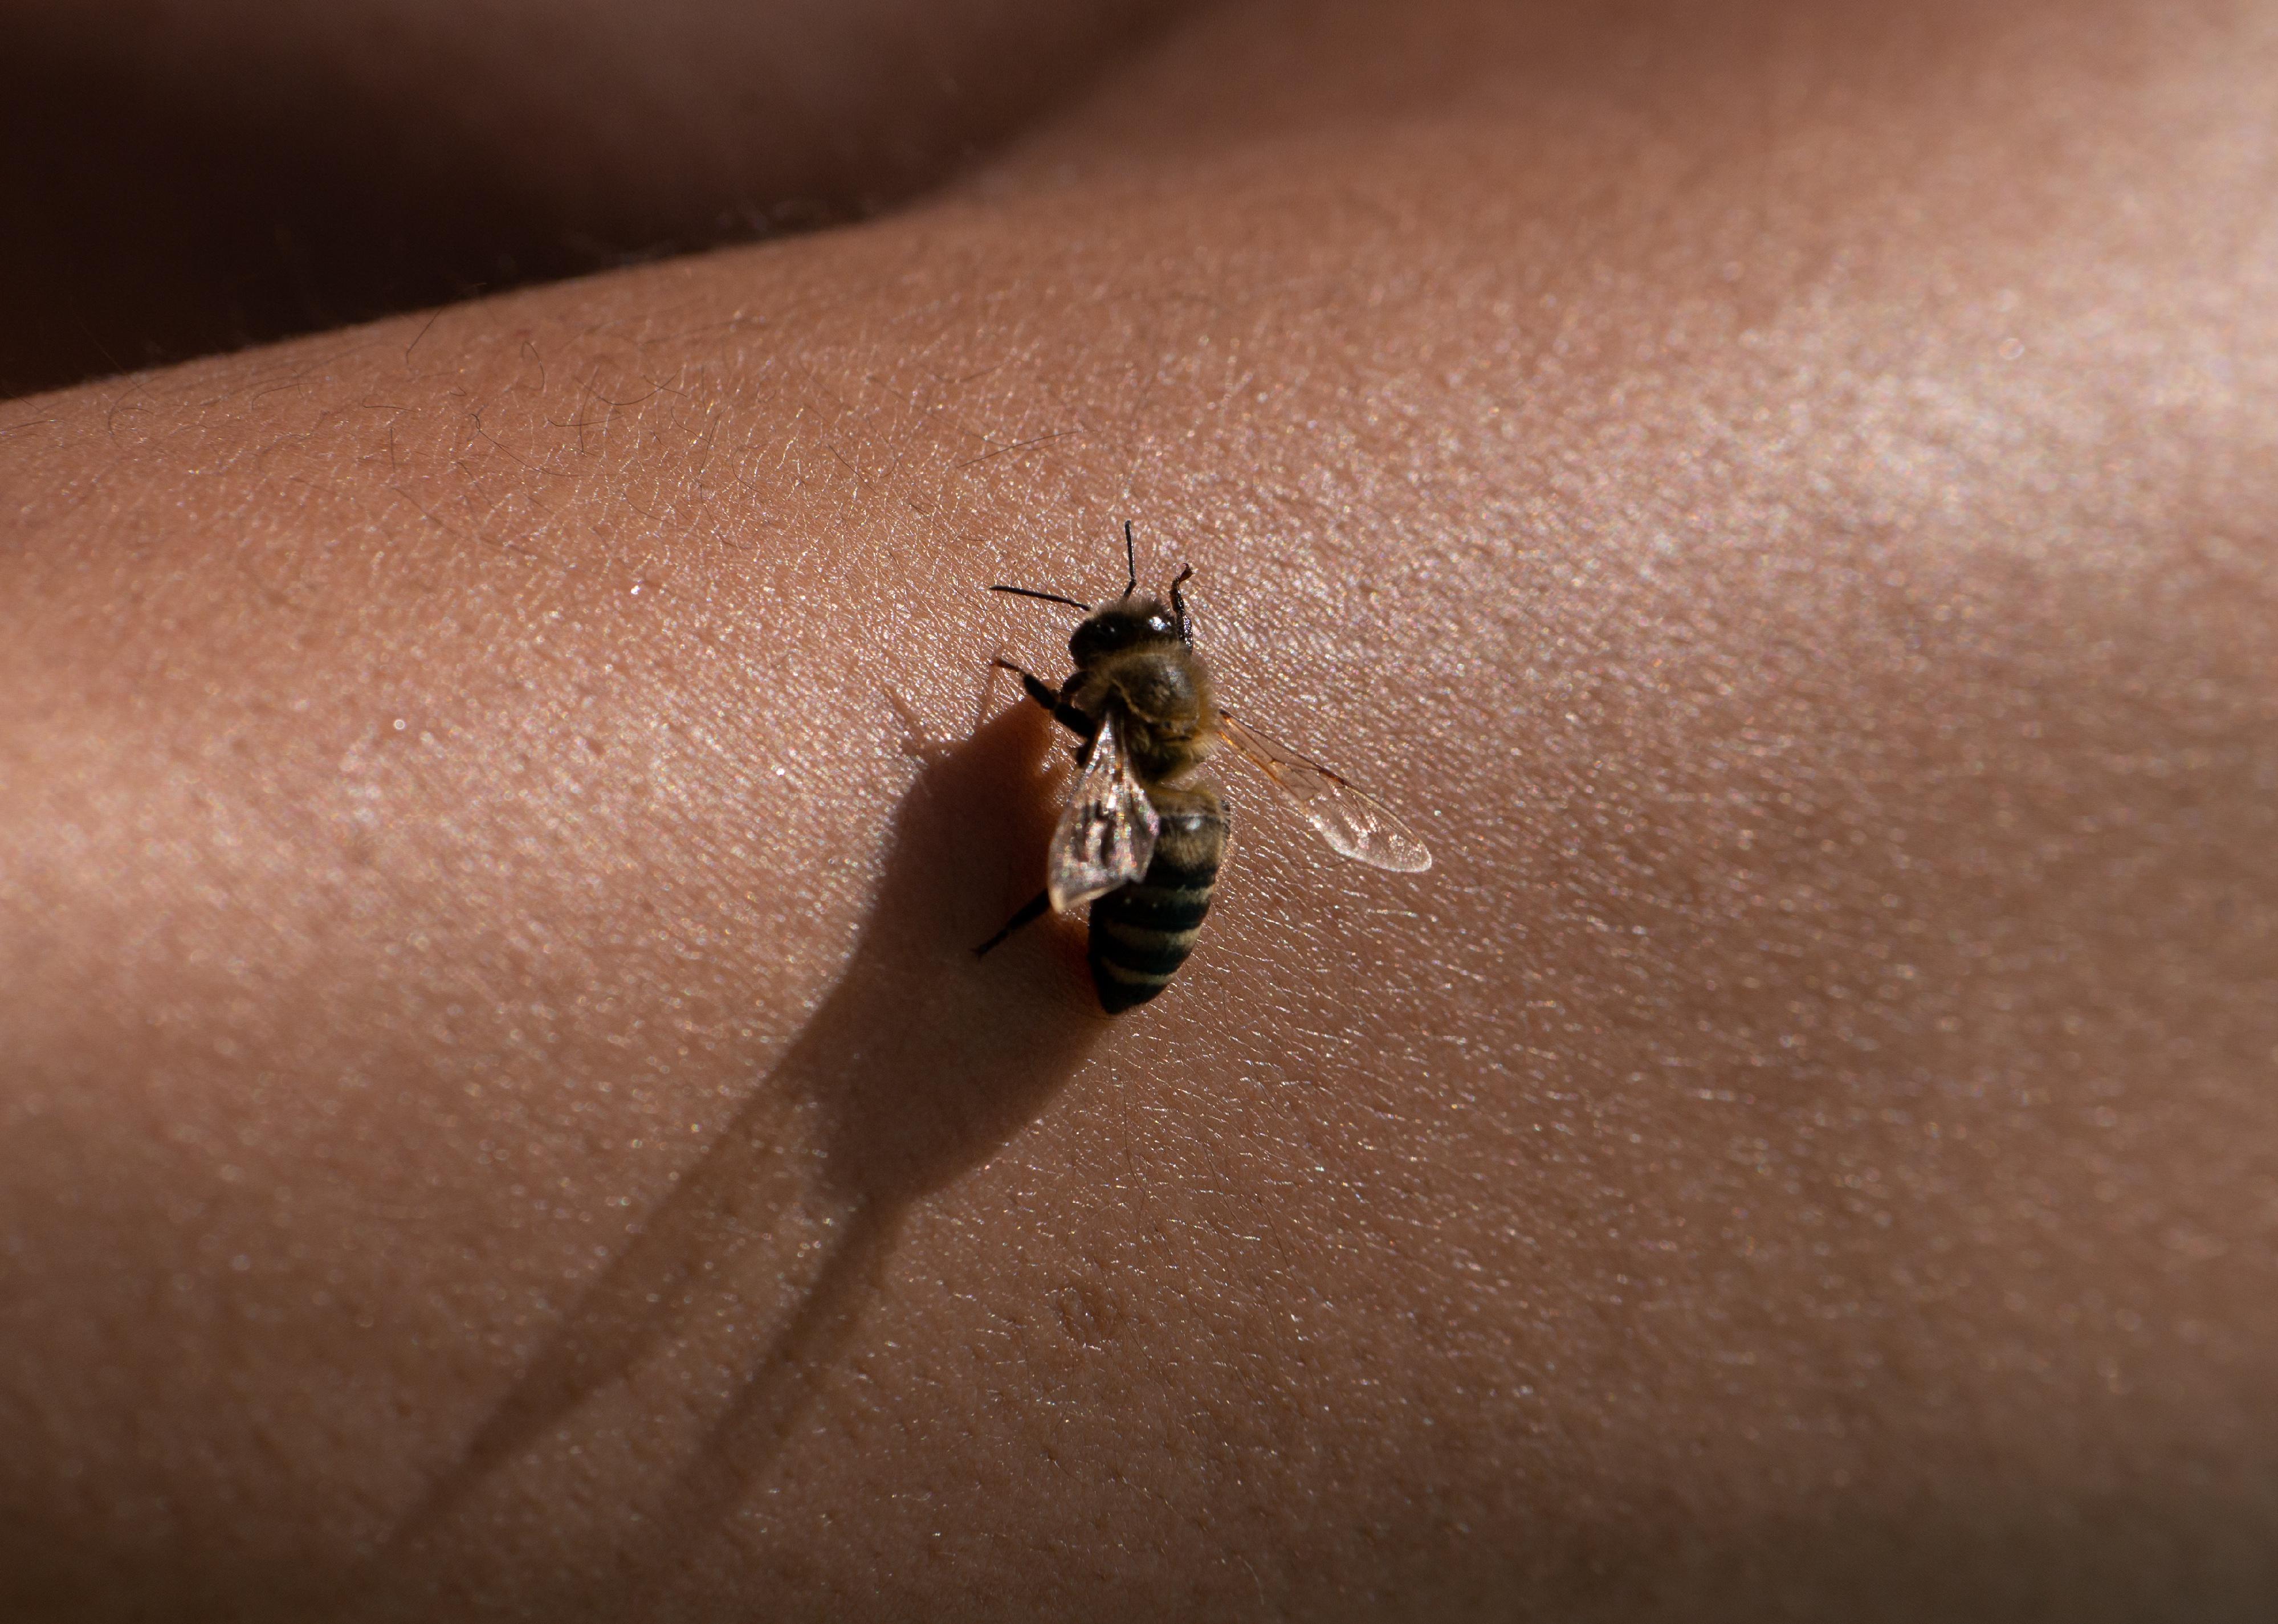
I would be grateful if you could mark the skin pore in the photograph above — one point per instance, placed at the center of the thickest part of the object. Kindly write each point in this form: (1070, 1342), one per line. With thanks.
(499, 1116)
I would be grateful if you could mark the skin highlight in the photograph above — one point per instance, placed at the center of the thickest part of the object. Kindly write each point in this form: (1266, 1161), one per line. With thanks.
(500, 1115)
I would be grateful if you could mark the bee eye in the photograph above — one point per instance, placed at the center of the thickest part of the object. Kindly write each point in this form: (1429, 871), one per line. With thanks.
(1097, 636)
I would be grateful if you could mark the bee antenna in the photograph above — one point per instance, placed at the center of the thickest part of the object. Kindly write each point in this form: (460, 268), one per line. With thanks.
(1022, 591)
(1130, 560)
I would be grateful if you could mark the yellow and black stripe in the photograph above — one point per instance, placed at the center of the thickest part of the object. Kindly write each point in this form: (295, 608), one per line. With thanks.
(1141, 932)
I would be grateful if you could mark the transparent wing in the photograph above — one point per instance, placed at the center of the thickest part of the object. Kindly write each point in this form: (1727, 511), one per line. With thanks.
(1107, 837)
(1354, 824)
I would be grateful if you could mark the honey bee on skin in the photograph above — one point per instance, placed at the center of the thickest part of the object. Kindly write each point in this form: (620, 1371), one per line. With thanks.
(1143, 836)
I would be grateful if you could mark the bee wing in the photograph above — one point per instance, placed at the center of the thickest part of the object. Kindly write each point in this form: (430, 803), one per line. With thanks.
(1107, 837)
(1354, 824)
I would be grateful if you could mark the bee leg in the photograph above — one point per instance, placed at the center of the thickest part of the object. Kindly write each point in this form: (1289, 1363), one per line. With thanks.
(1031, 911)
(1075, 720)
(1179, 605)
(1030, 681)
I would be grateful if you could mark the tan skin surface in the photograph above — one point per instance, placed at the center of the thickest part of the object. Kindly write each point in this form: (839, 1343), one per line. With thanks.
(499, 1116)
(182, 178)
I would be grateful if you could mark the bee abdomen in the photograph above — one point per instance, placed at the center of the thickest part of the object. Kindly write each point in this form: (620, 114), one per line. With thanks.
(1142, 933)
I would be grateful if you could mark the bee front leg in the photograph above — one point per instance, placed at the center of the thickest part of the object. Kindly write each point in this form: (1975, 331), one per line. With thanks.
(1178, 607)
(1075, 720)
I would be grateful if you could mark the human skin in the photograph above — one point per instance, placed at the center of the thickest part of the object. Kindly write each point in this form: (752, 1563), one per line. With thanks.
(500, 1116)
(184, 178)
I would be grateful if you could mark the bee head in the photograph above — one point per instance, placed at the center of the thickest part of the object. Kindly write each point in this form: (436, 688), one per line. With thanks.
(1132, 622)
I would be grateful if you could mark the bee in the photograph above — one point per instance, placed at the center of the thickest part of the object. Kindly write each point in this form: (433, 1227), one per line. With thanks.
(1144, 836)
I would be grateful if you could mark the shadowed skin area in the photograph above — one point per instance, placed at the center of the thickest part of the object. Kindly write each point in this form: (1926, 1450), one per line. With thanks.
(890, 1094)
(499, 1114)
(267, 169)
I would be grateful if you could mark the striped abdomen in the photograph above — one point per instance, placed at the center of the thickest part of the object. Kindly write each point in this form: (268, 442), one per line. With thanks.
(1141, 932)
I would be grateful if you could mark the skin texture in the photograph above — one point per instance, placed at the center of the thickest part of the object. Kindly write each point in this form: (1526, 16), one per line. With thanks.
(187, 177)
(500, 1118)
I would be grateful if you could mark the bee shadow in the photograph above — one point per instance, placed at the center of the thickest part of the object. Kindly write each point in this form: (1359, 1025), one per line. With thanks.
(921, 1064)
